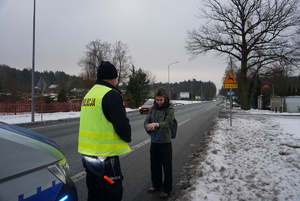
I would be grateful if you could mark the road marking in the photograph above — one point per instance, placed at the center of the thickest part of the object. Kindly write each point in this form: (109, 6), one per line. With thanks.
(185, 121)
(57, 125)
(81, 175)
(136, 147)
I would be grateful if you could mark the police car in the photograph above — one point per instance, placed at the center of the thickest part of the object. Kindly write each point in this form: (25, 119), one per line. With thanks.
(32, 167)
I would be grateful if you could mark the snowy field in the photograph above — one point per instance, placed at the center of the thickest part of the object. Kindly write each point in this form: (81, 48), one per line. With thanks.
(257, 158)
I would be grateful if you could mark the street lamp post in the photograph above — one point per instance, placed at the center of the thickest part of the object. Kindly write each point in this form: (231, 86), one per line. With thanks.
(169, 76)
(32, 72)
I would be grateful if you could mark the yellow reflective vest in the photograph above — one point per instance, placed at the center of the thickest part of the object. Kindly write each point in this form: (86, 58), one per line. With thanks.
(97, 136)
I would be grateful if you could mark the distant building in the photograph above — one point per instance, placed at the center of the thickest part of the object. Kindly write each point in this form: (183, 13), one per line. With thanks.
(53, 86)
(76, 90)
(291, 104)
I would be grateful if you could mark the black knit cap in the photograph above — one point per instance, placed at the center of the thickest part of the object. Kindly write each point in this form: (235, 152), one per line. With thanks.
(106, 70)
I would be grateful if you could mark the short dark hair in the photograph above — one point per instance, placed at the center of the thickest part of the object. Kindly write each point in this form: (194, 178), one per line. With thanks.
(161, 92)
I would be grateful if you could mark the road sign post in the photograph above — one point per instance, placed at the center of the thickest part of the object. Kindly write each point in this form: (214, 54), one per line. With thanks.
(230, 107)
(230, 83)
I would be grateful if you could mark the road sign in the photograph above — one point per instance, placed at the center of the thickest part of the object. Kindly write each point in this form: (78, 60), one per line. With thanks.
(230, 79)
(227, 86)
(230, 93)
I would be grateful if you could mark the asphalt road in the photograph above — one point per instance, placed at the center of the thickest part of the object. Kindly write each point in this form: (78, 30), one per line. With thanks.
(194, 121)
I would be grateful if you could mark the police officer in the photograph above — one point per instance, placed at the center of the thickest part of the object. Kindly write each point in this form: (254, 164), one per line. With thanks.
(104, 134)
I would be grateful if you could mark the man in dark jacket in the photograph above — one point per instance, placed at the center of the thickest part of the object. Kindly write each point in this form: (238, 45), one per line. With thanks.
(158, 123)
(104, 134)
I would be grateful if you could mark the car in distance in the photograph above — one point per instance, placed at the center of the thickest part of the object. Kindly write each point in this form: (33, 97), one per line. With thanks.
(146, 106)
(32, 167)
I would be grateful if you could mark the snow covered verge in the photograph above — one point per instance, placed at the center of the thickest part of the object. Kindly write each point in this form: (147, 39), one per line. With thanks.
(257, 158)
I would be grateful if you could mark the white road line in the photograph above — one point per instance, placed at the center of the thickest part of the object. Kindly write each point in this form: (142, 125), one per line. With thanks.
(136, 147)
(46, 126)
(185, 121)
(79, 176)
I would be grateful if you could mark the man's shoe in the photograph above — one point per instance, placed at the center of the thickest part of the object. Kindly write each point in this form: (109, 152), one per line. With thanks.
(163, 195)
(153, 190)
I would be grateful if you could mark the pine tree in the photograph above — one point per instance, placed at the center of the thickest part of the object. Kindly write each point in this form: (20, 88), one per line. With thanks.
(138, 87)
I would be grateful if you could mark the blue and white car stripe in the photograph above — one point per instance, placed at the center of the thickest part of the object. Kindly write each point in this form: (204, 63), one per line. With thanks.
(46, 192)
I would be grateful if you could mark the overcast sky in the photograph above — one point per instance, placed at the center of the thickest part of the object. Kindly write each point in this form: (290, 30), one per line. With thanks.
(154, 30)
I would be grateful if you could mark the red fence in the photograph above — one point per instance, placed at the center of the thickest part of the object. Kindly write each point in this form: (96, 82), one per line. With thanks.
(18, 107)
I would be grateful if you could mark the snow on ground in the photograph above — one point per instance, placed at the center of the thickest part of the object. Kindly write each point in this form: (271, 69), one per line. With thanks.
(257, 158)
(38, 117)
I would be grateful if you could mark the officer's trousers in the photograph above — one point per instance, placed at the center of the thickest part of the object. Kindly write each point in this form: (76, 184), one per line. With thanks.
(100, 189)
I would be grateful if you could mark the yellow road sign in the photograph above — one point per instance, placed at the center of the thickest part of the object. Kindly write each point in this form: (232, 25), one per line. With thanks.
(230, 79)
(227, 86)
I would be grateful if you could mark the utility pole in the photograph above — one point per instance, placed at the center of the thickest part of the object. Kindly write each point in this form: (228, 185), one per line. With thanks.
(32, 73)
(169, 77)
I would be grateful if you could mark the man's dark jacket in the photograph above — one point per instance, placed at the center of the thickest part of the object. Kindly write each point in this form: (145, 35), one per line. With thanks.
(114, 111)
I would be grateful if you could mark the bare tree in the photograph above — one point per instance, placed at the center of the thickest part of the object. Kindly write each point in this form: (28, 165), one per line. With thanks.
(152, 80)
(122, 60)
(257, 33)
(95, 53)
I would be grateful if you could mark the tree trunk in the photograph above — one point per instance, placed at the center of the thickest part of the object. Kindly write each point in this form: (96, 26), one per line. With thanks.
(245, 100)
